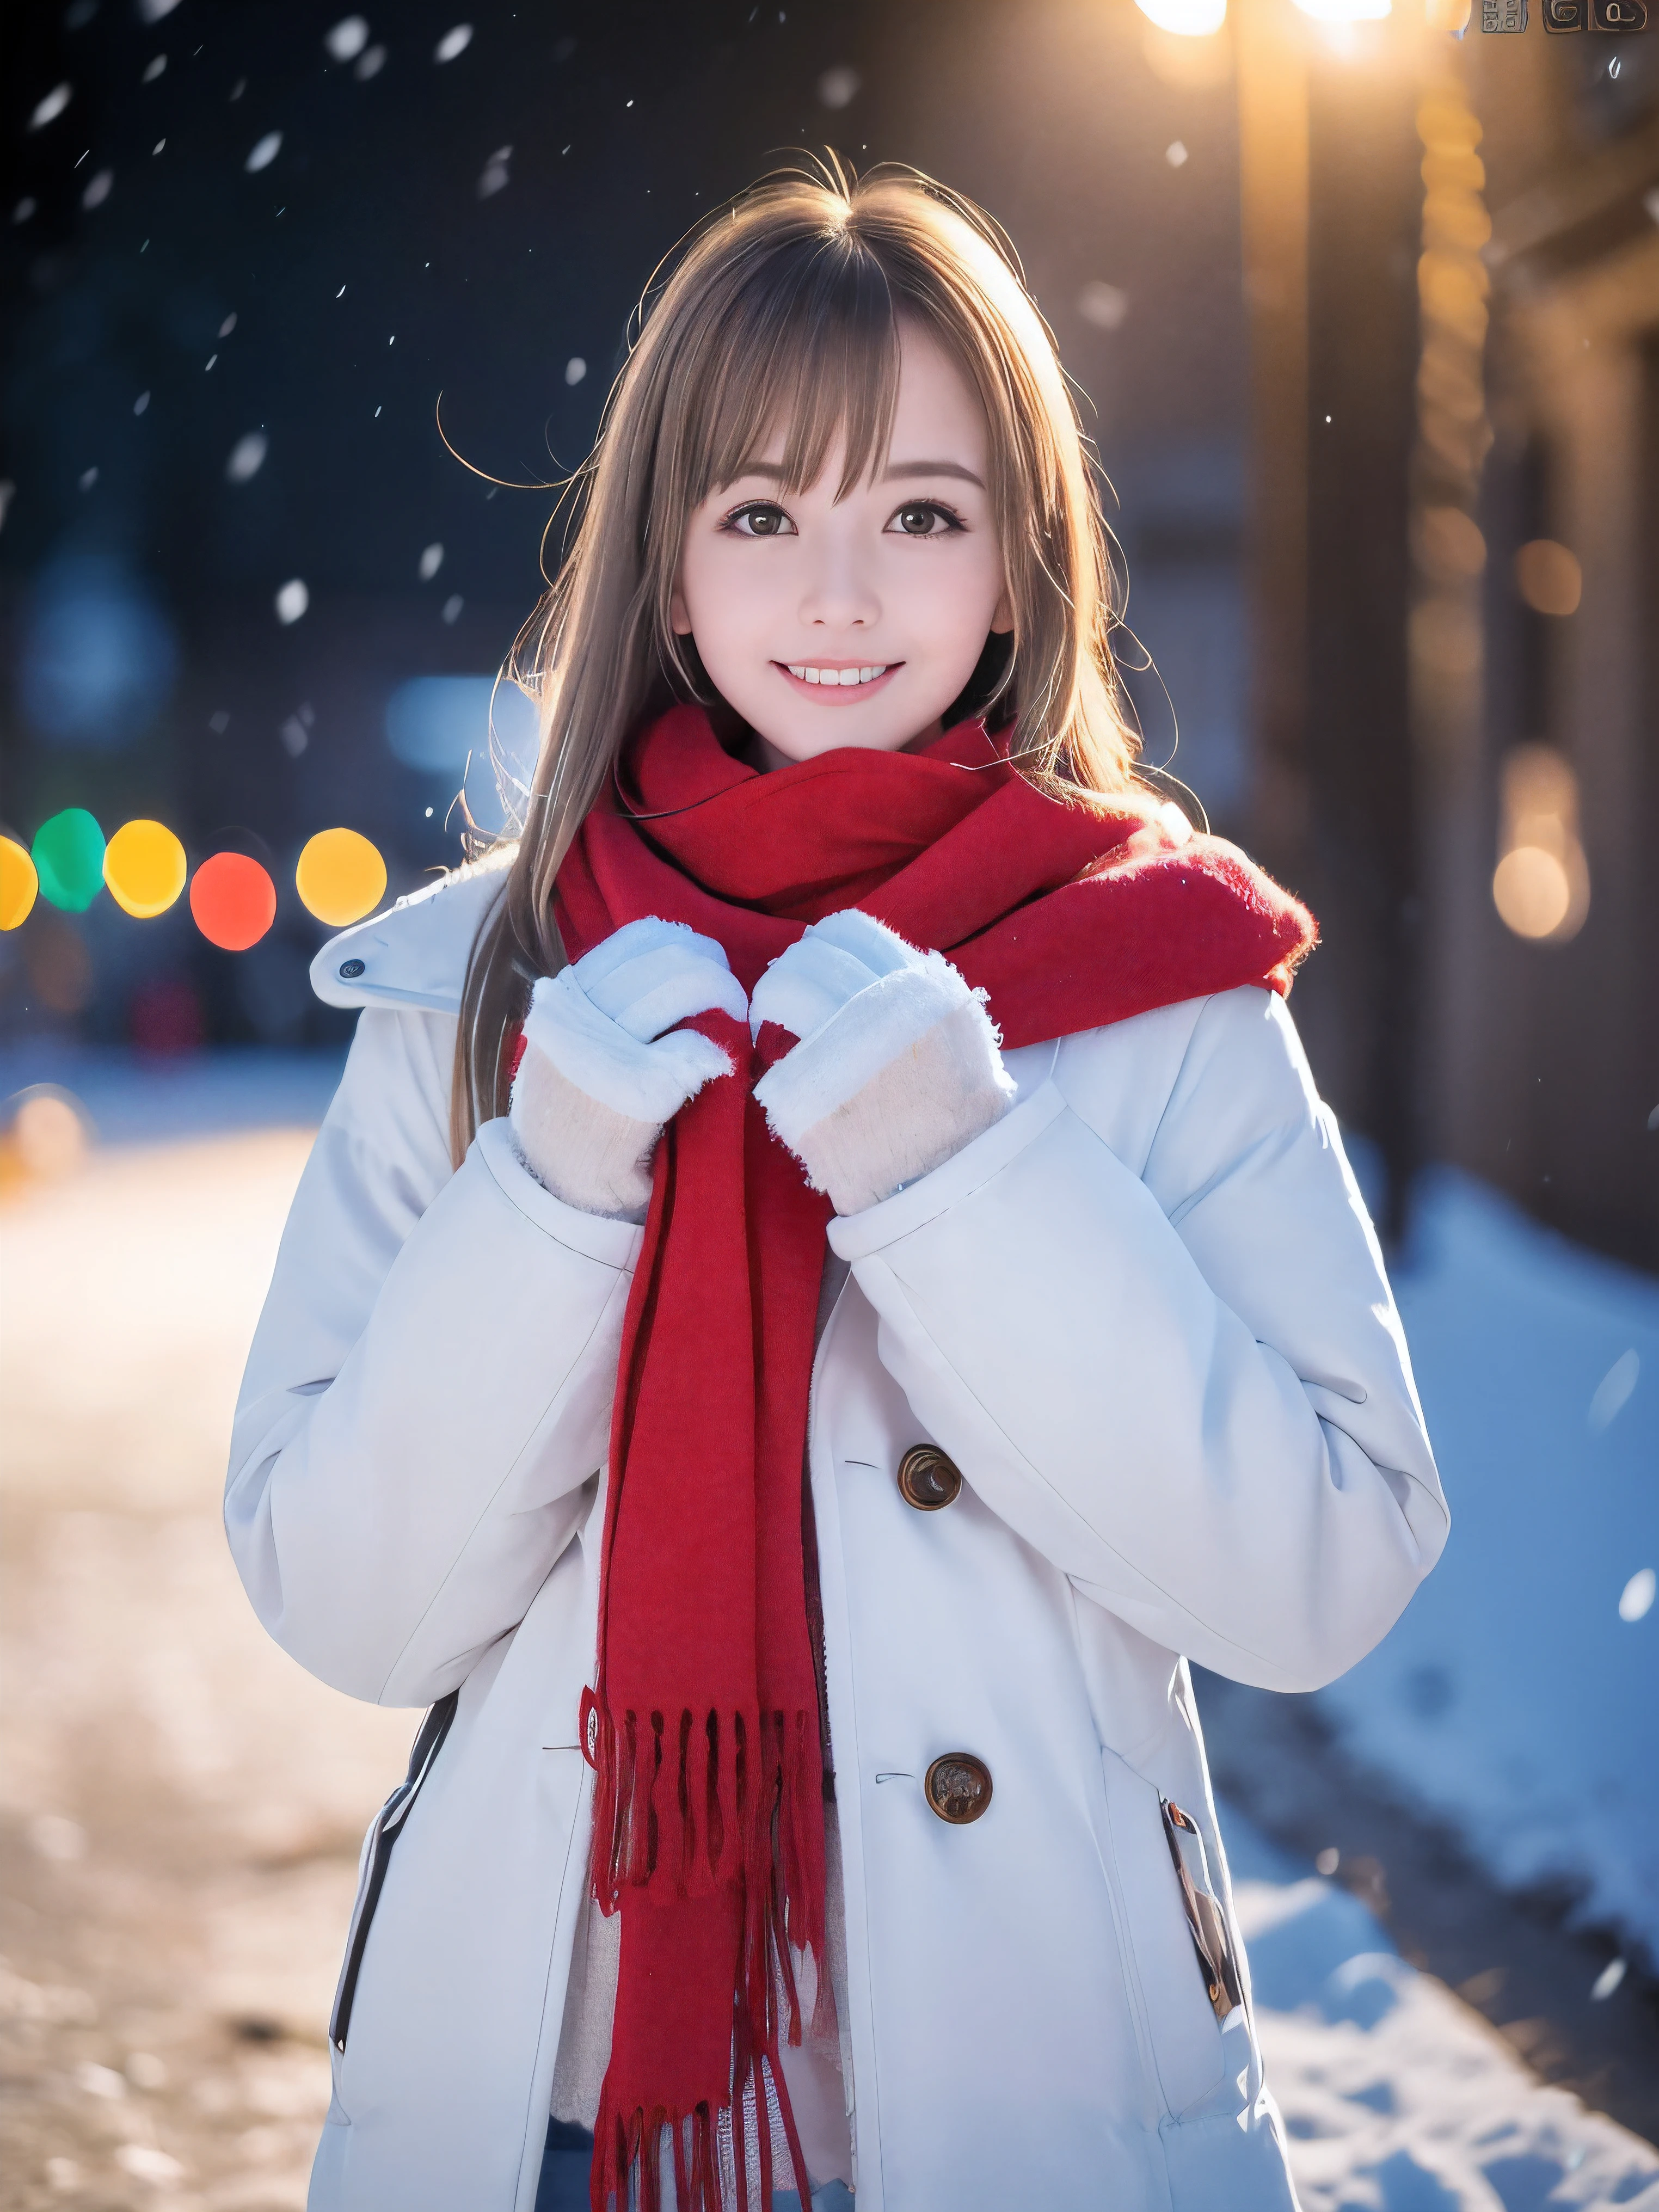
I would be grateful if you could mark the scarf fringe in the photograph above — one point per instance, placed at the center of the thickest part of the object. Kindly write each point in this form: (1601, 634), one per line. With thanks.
(734, 1807)
(737, 1803)
(626, 2172)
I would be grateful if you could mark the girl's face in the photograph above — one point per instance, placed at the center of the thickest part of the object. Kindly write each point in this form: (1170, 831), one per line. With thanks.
(855, 622)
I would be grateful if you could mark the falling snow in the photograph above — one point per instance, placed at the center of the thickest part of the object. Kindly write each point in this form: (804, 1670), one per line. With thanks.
(431, 560)
(453, 43)
(97, 189)
(348, 37)
(1103, 305)
(839, 88)
(574, 369)
(1175, 153)
(495, 176)
(452, 606)
(49, 109)
(1613, 1390)
(153, 69)
(292, 600)
(247, 457)
(263, 152)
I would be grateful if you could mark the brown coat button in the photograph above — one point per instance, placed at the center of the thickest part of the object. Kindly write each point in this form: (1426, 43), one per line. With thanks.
(958, 1787)
(927, 1479)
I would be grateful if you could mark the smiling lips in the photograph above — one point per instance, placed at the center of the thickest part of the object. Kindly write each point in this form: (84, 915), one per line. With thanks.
(837, 680)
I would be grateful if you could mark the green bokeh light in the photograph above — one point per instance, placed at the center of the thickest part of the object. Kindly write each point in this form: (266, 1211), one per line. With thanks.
(68, 857)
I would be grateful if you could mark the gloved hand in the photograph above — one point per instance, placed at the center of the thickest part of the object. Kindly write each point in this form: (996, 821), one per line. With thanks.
(600, 1078)
(898, 1064)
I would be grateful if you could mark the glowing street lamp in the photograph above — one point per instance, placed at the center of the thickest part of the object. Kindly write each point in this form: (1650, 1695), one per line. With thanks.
(1188, 19)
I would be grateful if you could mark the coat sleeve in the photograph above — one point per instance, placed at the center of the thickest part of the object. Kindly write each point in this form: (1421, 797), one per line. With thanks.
(1187, 1388)
(429, 1386)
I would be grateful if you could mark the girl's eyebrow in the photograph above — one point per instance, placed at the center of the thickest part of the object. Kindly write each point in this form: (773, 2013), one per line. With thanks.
(932, 469)
(895, 470)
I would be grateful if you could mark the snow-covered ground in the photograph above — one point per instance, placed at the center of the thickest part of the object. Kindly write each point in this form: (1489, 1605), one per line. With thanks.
(1396, 2096)
(1519, 1697)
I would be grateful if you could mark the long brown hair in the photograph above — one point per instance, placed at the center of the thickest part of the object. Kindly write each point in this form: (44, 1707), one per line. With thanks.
(785, 308)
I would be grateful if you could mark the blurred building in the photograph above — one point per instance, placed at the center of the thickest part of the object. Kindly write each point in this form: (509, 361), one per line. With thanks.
(1544, 1067)
(1451, 264)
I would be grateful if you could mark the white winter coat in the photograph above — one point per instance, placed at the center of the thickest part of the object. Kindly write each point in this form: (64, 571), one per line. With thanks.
(1145, 1315)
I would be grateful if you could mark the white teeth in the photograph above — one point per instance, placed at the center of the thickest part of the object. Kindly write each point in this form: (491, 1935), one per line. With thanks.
(808, 674)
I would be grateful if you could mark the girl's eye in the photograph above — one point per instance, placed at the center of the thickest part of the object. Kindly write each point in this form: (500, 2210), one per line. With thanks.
(760, 518)
(920, 518)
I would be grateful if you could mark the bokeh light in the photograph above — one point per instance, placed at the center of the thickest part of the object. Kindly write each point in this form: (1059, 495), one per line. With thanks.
(233, 900)
(144, 867)
(1548, 577)
(98, 656)
(1531, 891)
(341, 877)
(68, 858)
(18, 884)
(48, 1132)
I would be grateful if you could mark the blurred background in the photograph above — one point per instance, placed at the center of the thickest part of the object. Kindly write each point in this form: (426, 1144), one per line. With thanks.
(303, 312)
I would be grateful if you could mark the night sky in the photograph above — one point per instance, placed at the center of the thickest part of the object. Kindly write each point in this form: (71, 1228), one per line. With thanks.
(260, 248)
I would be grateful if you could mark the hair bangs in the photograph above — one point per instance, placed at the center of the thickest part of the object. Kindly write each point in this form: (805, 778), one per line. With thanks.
(816, 359)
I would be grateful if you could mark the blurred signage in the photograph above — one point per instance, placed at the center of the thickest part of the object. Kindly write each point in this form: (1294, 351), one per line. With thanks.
(1561, 15)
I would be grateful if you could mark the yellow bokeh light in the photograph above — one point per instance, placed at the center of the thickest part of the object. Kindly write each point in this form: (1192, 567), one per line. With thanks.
(144, 868)
(18, 884)
(341, 877)
(1188, 19)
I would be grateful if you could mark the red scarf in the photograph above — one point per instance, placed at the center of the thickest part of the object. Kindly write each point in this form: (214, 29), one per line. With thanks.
(704, 1728)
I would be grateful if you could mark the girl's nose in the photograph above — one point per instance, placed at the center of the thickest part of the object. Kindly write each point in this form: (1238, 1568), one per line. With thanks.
(839, 595)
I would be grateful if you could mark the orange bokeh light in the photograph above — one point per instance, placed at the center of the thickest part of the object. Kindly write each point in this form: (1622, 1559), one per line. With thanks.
(233, 900)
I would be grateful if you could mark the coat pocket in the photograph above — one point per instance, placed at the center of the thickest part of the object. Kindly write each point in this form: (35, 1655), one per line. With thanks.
(1207, 1923)
(1182, 2029)
(382, 1841)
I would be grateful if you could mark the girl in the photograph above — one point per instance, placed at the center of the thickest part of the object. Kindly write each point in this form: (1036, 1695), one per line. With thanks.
(826, 1275)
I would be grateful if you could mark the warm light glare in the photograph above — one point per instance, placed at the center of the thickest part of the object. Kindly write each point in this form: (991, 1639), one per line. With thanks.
(1189, 19)
(1344, 11)
(1548, 578)
(1541, 884)
(1529, 889)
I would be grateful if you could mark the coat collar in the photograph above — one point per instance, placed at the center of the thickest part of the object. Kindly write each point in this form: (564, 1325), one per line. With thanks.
(416, 953)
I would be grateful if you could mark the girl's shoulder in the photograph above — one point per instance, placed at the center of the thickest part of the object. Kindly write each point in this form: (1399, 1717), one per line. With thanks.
(414, 954)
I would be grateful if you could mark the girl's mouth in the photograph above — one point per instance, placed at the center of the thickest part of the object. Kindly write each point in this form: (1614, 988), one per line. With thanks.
(837, 683)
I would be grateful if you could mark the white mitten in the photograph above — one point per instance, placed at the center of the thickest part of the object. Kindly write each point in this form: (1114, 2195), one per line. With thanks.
(897, 1066)
(600, 1078)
